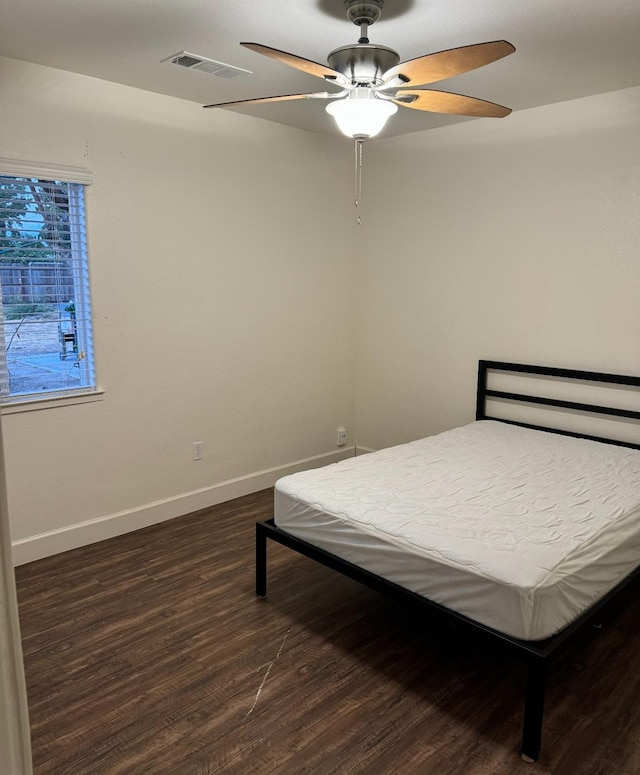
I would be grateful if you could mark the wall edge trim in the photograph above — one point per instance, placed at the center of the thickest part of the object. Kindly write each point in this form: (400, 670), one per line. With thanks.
(63, 539)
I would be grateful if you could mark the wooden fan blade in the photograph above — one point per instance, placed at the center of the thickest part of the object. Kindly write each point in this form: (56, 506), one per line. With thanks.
(446, 64)
(278, 98)
(306, 65)
(447, 102)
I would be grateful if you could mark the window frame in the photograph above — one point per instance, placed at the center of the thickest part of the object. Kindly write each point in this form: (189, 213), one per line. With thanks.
(10, 404)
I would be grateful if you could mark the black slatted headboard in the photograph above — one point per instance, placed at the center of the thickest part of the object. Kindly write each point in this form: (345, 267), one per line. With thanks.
(592, 377)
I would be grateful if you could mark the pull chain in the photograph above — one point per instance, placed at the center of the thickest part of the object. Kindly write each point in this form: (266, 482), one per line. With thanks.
(359, 142)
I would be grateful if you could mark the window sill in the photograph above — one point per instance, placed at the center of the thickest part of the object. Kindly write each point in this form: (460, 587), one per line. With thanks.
(31, 404)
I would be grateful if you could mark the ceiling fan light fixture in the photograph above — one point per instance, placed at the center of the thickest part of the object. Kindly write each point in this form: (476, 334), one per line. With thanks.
(361, 114)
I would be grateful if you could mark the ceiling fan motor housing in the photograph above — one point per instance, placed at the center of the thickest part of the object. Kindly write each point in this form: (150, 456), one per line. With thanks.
(363, 63)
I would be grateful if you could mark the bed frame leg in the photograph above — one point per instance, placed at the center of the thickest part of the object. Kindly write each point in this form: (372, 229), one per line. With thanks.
(261, 561)
(534, 709)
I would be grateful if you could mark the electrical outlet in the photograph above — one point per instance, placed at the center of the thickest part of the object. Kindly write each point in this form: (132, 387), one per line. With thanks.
(197, 450)
(341, 436)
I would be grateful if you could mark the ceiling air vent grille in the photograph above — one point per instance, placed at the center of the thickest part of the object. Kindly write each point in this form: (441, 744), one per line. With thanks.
(204, 65)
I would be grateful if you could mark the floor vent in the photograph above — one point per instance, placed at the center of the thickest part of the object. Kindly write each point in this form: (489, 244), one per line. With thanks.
(204, 65)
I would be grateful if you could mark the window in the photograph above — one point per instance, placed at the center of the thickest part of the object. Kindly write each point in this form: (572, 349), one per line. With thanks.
(44, 285)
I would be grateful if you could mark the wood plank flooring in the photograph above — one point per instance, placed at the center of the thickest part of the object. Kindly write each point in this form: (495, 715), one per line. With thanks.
(149, 654)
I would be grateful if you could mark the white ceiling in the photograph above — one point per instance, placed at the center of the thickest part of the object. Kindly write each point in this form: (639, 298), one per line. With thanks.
(564, 48)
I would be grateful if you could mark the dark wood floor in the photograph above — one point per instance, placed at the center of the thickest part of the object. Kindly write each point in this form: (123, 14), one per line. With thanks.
(149, 653)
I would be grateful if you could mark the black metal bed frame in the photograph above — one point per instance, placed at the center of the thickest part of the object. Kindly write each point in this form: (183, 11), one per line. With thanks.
(537, 654)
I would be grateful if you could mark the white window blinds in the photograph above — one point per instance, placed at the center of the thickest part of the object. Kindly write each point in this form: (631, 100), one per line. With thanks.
(44, 284)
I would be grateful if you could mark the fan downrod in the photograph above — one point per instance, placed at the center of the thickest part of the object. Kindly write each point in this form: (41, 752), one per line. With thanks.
(363, 14)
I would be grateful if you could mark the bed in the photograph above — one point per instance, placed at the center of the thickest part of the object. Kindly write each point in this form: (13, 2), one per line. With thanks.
(521, 529)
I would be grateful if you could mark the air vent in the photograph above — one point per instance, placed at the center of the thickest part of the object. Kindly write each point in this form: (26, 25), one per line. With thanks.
(204, 65)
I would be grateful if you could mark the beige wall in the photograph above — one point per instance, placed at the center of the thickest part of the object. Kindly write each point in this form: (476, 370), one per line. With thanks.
(515, 240)
(223, 280)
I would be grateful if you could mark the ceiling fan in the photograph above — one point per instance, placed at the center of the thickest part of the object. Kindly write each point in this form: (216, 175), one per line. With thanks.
(373, 82)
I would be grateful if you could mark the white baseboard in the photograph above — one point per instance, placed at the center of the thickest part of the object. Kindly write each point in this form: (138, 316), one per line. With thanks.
(363, 450)
(83, 533)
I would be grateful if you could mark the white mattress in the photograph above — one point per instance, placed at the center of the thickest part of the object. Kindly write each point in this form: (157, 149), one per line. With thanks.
(518, 529)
